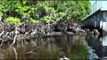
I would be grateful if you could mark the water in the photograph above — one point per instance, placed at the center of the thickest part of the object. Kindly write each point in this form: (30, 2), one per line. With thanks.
(55, 47)
(46, 47)
(98, 43)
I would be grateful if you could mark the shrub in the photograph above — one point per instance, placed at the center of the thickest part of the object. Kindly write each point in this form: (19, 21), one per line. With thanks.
(12, 20)
(33, 21)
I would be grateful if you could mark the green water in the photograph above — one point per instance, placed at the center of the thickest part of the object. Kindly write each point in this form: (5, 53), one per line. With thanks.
(52, 47)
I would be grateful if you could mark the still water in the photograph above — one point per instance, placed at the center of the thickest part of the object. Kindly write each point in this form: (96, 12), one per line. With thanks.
(46, 47)
(98, 43)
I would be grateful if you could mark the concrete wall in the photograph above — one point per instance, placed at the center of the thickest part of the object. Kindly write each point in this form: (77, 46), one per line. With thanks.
(98, 5)
(93, 21)
(97, 15)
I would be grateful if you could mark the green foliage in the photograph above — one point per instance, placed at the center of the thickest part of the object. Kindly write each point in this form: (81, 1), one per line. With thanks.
(33, 21)
(42, 10)
(45, 19)
(13, 20)
(1, 13)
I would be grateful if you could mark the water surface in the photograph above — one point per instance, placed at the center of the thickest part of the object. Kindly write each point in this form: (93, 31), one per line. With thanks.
(98, 43)
(46, 47)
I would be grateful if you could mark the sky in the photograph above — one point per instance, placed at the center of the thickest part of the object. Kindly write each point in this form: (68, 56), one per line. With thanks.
(92, 2)
(104, 3)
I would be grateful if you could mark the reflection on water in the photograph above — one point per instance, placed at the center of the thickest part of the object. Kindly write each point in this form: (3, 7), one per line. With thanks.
(104, 44)
(98, 43)
(45, 47)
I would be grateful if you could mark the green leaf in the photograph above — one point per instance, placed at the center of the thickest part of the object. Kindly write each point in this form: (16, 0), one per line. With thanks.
(1, 13)
(12, 20)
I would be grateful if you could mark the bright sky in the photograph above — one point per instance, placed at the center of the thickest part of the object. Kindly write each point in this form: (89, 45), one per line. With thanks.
(104, 3)
(92, 2)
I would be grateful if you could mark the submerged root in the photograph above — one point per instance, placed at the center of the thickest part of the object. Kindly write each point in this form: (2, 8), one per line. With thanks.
(15, 52)
(1, 43)
(3, 37)
(14, 40)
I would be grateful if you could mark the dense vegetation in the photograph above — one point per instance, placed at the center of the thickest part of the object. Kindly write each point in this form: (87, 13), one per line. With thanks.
(19, 11)
(21, 20)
